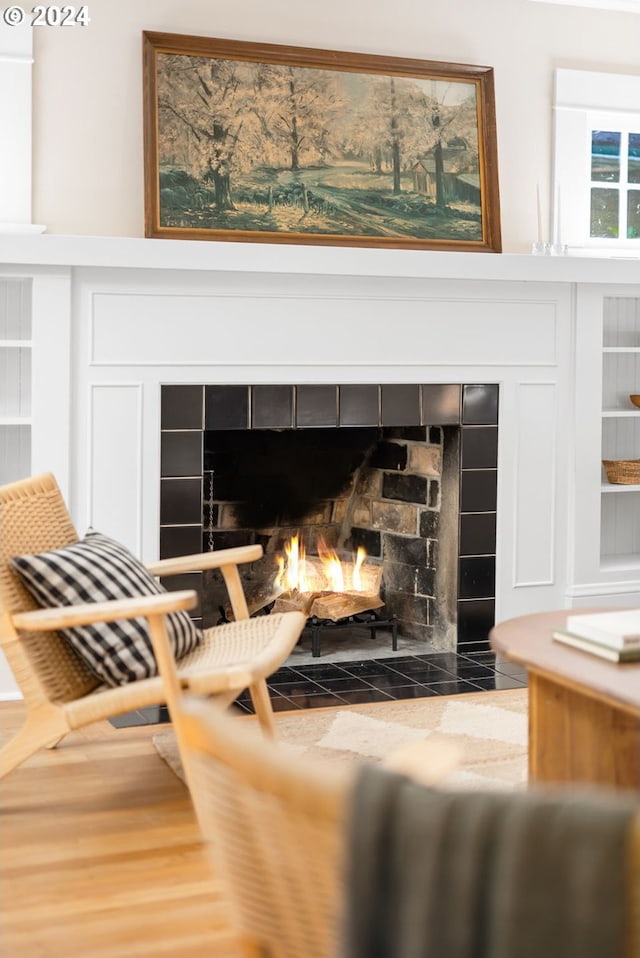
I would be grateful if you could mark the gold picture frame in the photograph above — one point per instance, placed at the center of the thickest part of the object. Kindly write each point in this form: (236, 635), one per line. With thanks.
(279, 144)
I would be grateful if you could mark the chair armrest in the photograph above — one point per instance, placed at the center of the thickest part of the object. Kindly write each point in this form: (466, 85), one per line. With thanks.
(205, 560)
(64, 617)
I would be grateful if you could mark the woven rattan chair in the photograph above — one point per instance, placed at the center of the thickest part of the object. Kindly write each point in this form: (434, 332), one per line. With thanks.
(59, 690)
(277, 831)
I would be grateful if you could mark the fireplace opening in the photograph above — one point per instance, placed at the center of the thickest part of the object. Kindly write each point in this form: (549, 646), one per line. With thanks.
(405, 475)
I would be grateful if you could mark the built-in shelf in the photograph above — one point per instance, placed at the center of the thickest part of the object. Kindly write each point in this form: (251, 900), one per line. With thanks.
(15, 421)
(620, 435)
(621, 563)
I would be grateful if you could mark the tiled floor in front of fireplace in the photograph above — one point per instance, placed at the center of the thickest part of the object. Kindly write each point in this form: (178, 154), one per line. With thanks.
(403, 676)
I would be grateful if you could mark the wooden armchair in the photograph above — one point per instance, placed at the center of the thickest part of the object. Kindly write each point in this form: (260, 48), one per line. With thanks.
(60, 691)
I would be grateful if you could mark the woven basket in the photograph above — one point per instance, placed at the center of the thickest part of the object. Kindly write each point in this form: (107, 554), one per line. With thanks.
(622, 471)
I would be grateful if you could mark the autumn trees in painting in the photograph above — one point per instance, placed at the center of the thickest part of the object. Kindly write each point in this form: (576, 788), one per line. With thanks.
(257, 146)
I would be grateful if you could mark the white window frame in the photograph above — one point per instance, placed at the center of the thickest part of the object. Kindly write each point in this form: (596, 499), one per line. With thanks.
(584, 102)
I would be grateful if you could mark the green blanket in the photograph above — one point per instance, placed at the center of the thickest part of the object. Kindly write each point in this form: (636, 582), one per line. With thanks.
(436, 874)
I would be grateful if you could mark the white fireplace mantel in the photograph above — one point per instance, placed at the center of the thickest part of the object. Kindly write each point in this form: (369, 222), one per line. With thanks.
(114, 318)
(160, 254)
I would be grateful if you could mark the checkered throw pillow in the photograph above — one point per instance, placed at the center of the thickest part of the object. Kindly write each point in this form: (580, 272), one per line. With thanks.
(97, 569)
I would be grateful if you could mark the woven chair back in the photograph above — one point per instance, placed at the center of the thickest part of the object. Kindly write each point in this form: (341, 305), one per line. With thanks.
(33, 519)
(275, 828)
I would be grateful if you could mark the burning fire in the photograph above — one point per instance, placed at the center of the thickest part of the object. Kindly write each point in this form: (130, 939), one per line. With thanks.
(326, 573)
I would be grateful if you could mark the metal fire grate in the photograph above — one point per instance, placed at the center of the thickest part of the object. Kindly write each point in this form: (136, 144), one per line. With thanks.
(370, 620)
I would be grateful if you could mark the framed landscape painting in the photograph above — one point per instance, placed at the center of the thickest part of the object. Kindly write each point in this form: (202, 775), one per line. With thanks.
(279, 144)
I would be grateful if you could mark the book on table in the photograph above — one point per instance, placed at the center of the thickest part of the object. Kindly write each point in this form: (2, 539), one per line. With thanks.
(628, 653)
(618, 630)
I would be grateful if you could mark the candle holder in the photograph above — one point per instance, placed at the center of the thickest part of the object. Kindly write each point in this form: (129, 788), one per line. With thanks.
(540, 249)
(558, 249)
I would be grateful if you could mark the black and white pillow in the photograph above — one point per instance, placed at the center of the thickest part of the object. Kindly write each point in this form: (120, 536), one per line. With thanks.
(97, 569)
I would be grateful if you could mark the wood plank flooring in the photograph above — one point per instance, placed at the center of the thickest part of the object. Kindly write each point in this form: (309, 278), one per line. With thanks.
(100, 855)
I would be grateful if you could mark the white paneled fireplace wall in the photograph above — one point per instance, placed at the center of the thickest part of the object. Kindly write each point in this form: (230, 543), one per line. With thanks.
(113, 320)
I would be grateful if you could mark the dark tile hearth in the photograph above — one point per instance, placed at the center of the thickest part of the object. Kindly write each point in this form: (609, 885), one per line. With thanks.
(373, 680)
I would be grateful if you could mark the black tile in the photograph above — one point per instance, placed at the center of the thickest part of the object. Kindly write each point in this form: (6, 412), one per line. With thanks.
(181, 407)
(364, 696)
(427, 675)
(320, 671)
(389, 681)
(508, 681)
(350, 683)
(454, 687)
(359, 405)
(480, 405)
(479, 448)
(180, 541)
(400, 404)
(484, 658)
(283, 704)
(442, 660)
(369, 667)
(487, 683)
(477, 533)
(441, 404)
(476, 577)
(300, 687)
(226, 407)
(272, 407)
(413, 692)
(285, 674)
(471, 671)
(322, 700)
(476, 618)
(316, 406)
(129, 719)
(180, 501)
(181, 454)
(478, 490)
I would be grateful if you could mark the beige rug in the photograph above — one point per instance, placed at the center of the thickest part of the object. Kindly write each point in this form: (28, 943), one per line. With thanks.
(489, 730)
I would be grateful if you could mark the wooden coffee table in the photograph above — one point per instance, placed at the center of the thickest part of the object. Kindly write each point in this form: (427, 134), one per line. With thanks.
(584, 711)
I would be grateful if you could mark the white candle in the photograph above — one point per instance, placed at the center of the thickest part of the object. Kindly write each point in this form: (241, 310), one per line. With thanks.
(539, 213)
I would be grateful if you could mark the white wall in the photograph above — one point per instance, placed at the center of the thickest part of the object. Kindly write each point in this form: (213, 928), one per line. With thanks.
(88, 158)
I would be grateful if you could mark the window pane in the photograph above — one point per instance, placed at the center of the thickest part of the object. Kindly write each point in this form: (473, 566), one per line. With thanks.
(604, 213)
(633, 214)
(634, 158)
(605, 156)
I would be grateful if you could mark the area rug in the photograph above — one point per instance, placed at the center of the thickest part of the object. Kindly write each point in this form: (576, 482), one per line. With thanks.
(487, 732)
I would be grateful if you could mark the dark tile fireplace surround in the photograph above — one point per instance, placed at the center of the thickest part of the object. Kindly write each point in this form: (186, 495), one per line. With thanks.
(429, 494)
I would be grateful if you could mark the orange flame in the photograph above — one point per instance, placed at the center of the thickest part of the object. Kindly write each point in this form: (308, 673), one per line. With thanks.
(326, 573)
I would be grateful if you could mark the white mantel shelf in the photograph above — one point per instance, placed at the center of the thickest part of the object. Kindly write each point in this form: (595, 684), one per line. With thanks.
(51, 250)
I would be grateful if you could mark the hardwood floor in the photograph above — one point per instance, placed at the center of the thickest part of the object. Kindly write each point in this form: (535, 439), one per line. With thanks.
(100, 855)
